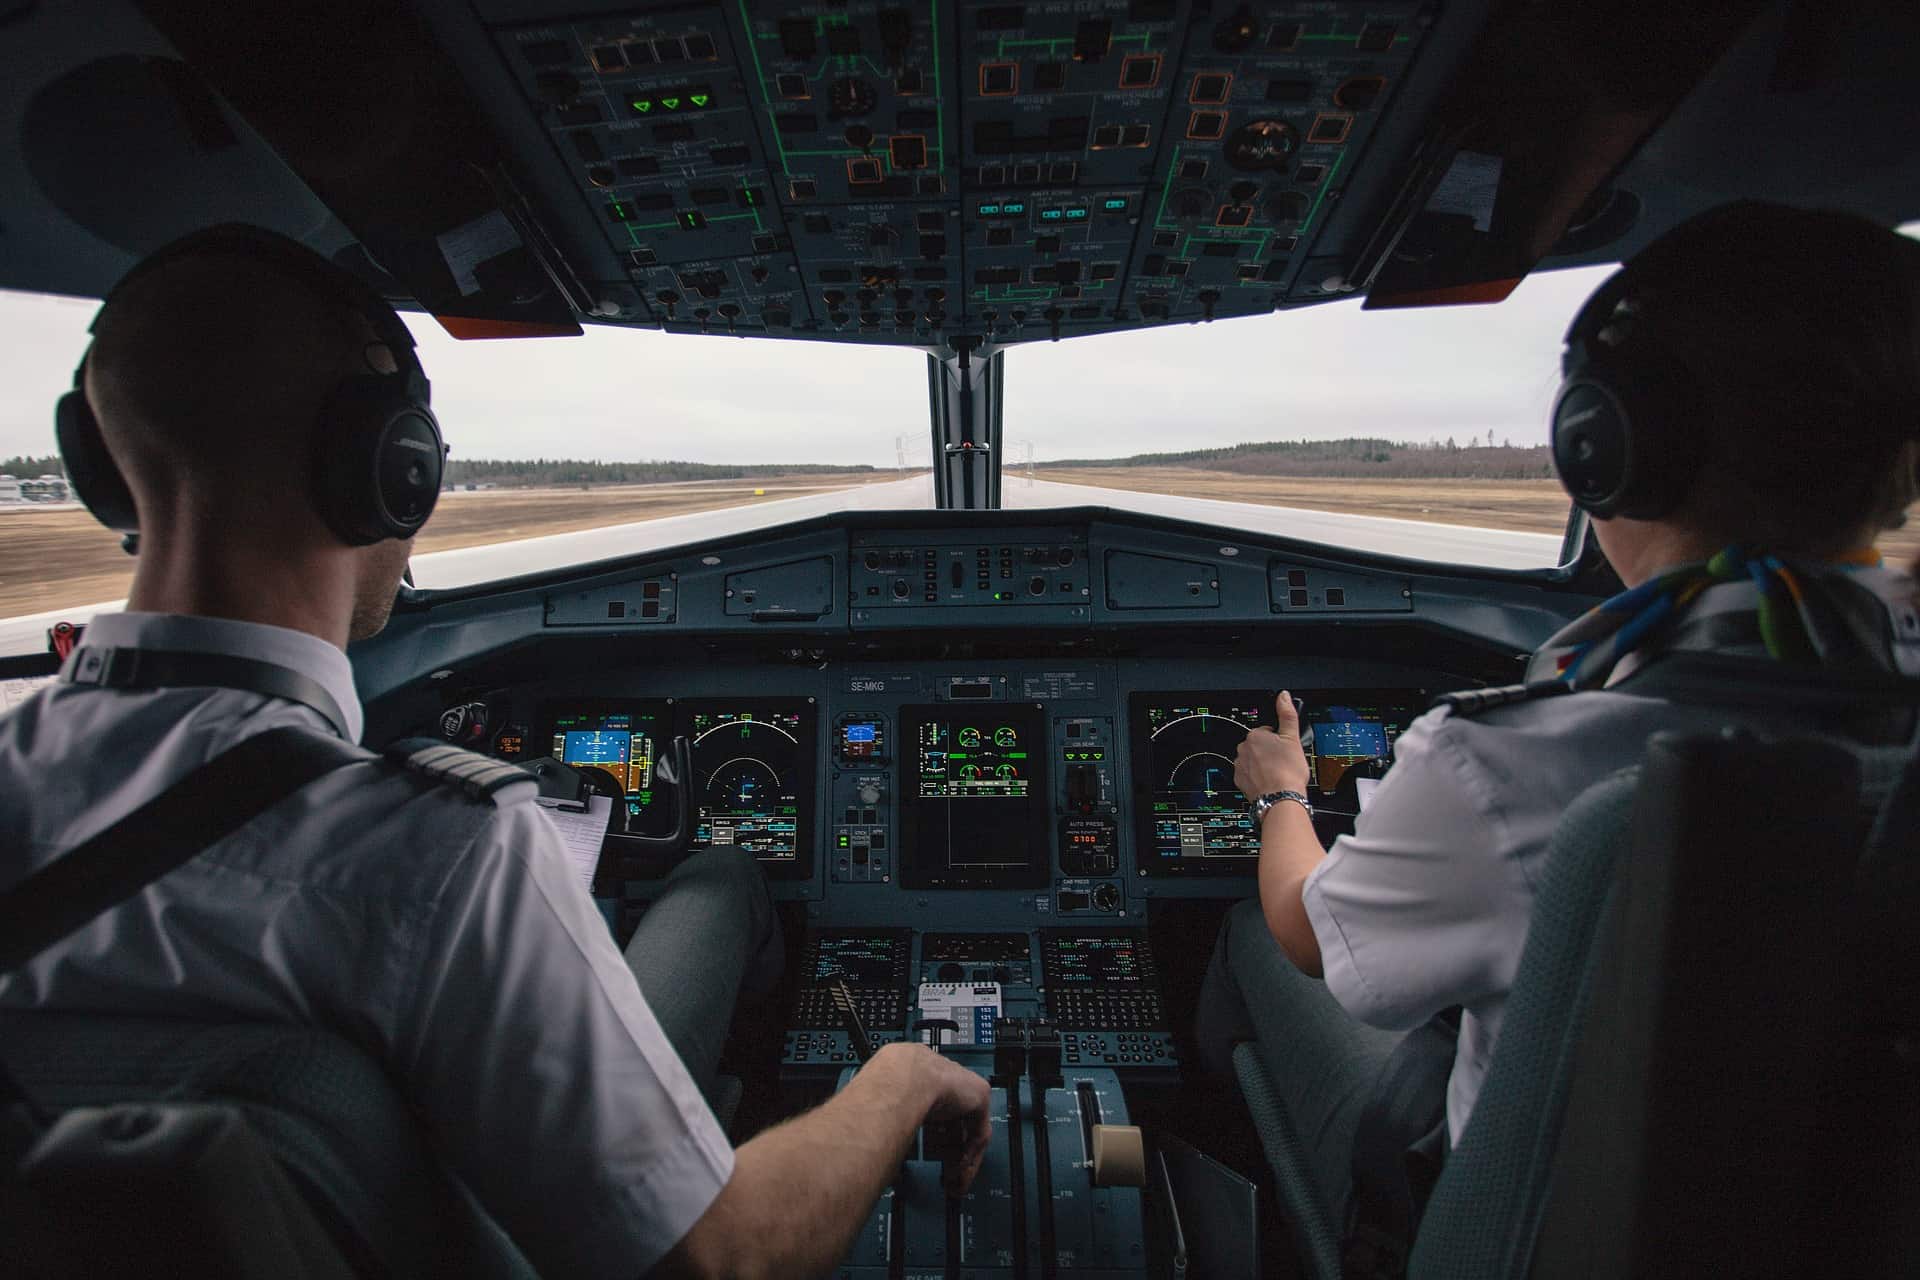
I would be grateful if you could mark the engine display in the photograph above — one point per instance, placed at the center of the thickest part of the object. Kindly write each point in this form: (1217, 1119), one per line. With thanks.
(753, 780)
(1191, 817)
(622, 739)
(974, 794)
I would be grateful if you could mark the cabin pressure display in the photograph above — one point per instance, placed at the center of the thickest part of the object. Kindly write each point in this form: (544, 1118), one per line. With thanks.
(1192, 818)
(975, 792)
(753, 780)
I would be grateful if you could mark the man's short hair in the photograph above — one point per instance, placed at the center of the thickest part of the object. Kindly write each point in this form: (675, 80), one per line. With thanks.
(216, 366)
(1803, 329)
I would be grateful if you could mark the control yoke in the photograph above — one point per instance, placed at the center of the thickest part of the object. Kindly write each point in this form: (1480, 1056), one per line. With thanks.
(673, 773)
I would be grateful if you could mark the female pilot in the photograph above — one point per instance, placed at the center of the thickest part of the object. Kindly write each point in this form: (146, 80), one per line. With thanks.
(1739, 414)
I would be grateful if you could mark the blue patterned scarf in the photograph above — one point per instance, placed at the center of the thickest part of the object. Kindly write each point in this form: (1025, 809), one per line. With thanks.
(1801, 611)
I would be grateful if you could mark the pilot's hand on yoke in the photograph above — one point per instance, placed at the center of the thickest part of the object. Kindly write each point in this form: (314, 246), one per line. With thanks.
(1270, 760)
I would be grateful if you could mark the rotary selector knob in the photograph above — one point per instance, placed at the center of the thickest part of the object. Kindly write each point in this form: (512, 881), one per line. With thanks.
(870, 793)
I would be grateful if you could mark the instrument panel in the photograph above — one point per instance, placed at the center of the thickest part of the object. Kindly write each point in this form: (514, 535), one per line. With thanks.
(1028, 791)
(978, 760)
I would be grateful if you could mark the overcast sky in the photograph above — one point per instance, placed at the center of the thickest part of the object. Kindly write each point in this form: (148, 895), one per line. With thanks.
(618, 394)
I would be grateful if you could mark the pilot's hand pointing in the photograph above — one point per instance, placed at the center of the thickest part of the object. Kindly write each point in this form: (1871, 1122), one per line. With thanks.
(1272, 760)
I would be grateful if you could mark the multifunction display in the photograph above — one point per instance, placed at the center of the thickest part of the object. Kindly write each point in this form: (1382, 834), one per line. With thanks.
(753, 779)
(974, 796)
(1191, 816)
(622, 740)
(863, 959)
(1075, 959)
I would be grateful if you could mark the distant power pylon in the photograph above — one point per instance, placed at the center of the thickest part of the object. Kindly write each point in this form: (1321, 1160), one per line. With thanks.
(900, 455)
(1027, 445)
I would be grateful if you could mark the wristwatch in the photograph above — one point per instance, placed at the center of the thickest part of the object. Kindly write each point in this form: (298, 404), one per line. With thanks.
(1272, 798)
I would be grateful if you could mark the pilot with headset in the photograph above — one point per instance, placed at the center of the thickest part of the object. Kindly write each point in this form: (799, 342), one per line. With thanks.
(259, 416)
(1739, 414)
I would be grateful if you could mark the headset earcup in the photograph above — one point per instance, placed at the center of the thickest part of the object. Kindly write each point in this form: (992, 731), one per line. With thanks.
(377, 463)
(91, 470)
(1628, 433)
(410, 463)
(1590, 445)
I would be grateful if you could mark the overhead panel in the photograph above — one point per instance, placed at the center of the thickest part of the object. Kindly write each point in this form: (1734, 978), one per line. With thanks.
(854, 103)
(873, 171)
(651, 114)
(1063, 112)
(1270, 109)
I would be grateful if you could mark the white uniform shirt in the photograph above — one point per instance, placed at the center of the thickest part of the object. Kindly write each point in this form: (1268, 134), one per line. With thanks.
(1426, 904)
(448, 938)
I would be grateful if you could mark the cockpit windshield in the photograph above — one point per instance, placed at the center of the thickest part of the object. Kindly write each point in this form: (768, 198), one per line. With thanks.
(1414, 433)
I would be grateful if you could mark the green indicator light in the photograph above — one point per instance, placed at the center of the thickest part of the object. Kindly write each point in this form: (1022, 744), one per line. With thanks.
(1114, 205)
(1014, 206)
(1075, 214)
(989, 210)
(700, 99)
(1050, 215)
(643, 105)
(671, 104)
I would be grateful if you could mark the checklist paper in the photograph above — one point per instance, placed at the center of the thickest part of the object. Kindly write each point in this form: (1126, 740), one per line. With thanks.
(582, 831)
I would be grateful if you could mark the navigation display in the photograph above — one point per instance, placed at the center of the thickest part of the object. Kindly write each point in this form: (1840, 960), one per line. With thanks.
(1191, 817)
(753, 779)
(973, 794)
(622, 739)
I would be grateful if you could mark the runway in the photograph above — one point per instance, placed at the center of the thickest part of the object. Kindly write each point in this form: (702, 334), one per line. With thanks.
(1414, 539)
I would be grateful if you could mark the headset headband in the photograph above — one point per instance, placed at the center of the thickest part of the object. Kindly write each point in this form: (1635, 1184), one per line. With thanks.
(330, 281)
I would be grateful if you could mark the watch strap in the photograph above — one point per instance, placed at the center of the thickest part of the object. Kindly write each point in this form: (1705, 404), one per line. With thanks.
(1263, 804)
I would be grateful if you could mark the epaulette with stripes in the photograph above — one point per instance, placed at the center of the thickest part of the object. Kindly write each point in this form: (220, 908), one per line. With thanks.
(1471, 702)
(481, 777)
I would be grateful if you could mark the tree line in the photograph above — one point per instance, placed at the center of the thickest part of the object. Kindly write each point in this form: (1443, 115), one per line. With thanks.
(1357, 457)
(537, 471)
(571, 471)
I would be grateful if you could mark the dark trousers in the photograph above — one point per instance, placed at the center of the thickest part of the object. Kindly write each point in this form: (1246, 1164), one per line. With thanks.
(709, 933)
(1324, 1062)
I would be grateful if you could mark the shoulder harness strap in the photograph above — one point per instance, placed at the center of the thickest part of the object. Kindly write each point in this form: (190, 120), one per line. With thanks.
(1471, 702)
(479, 777)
